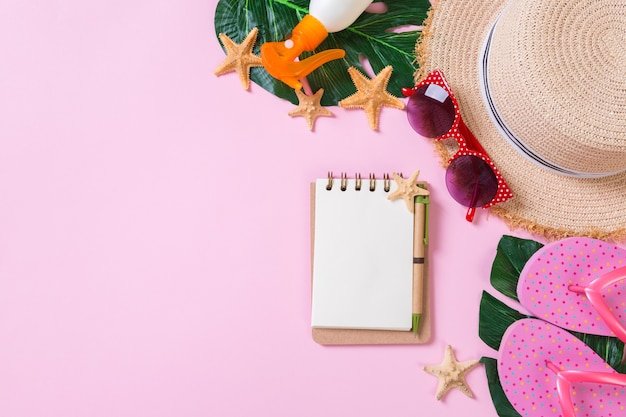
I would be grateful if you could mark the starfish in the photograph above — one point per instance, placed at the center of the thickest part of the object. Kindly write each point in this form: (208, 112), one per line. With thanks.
(309, 107)
(451, 374)
(239, 57)
(371, 94)
(407, 190)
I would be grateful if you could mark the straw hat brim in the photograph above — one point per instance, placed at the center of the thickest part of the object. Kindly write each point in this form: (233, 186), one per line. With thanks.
(545, 203)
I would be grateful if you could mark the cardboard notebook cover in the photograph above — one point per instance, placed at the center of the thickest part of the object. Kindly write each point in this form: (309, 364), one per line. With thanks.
(327, 336)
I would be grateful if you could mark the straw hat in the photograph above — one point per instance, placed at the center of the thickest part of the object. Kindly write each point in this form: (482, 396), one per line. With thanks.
(542, 85)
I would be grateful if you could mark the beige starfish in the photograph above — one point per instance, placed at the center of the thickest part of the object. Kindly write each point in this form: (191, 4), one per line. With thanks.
(239, 57)
(309, 107)
(371, 94)
(407, 190)
(451, 374)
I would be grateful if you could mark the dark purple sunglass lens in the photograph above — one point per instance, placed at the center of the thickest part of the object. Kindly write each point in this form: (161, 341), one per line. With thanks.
(430, 111)
(471, 181)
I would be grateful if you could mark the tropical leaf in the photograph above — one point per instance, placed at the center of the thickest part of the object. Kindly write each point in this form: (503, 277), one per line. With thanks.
(370, 37)
(500, 401)
(494, 318)
(511, 256)
(609, 348)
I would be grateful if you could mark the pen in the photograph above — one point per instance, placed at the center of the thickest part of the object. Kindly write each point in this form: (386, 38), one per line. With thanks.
(420, 233)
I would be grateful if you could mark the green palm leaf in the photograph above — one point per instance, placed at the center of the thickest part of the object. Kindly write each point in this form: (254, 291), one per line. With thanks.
(511, 256)
(369, 37)
(502, 404)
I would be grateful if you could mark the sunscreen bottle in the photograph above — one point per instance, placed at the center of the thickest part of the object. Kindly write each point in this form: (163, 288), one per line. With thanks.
(325, 16)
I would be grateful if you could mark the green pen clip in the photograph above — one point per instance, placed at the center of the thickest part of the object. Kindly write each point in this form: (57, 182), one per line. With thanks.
(424, 199)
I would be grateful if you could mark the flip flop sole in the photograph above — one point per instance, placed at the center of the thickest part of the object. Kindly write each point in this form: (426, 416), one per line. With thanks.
(543, 285)
(530, 385)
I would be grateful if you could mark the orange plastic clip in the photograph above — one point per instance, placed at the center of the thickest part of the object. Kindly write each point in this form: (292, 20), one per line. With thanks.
(278, 58)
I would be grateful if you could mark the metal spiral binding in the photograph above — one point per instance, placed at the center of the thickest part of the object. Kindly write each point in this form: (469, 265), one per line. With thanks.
(358, 182)
(344, 181)
(329, 186)
(372, 182)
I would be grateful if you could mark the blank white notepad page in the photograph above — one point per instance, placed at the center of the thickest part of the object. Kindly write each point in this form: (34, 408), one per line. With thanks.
(362, 259)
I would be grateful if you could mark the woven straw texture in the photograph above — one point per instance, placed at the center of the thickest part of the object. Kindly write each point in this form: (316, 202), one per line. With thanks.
(556, 62)
(542, 52)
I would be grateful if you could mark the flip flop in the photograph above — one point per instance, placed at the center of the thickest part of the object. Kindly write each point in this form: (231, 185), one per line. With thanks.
(578, 284)
(545, 371)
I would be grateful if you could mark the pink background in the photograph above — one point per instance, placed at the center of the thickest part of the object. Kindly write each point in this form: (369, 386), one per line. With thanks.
(154, 231)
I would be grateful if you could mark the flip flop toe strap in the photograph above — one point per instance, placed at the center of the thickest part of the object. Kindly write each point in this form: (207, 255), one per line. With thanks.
(565, 379)
(593, 293)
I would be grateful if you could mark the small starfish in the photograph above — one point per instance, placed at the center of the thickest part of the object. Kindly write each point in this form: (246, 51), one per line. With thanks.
(451, 374)
(407, 190)
(239, 57)
(309, 107)
(371, 94)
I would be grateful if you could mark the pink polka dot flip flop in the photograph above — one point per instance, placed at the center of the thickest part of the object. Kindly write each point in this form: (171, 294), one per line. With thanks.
(545, 371)
(578, 284)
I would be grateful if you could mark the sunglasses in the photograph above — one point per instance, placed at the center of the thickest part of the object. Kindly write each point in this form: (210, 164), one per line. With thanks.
(471, 177)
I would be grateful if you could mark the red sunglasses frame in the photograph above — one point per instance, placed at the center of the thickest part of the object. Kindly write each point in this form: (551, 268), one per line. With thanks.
(468, 144)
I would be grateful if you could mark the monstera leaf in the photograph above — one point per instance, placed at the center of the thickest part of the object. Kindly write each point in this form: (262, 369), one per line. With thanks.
(373, 36)
(512, 255)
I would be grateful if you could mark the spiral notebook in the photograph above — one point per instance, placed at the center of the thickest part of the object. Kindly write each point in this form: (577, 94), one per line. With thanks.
(363, 263)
